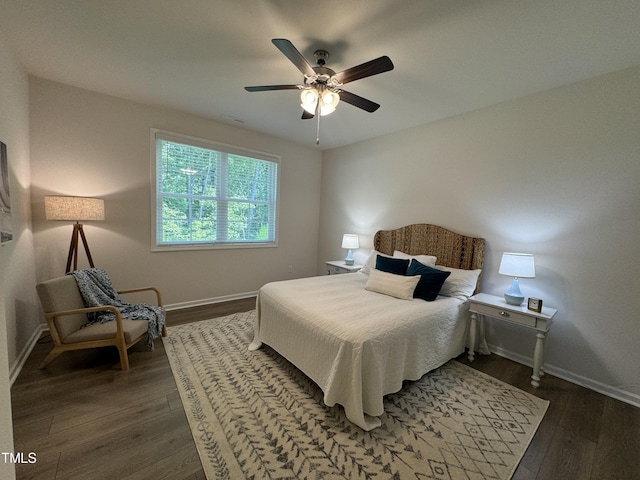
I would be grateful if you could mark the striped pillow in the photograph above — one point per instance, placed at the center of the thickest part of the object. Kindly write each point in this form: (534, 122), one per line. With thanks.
(399, 286)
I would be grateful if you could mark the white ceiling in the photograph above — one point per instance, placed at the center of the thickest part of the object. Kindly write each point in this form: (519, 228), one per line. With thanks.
(450, 56)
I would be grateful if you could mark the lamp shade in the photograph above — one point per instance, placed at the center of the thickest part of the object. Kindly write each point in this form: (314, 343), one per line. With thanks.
(350, 240)
(517, 265)
(73, 208)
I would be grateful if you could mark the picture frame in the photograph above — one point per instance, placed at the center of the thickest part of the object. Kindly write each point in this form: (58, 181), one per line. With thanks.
(6, 228)
(534, 304)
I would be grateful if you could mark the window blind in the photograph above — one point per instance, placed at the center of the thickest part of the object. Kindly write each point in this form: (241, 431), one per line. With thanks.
(212, 194)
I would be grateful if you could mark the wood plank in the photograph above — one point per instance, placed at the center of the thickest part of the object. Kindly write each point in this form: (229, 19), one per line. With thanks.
(569, 457)
(117, 454)
(85, 418)
(181, 463)
(618, 453)
(204, 312)
(75, 434)
(538, 449)
(583, 414)
(45, 468)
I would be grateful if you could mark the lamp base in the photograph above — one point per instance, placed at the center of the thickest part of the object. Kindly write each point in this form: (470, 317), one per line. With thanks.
(73, 248)
(514, 296)
(513, 300)
(349, 260)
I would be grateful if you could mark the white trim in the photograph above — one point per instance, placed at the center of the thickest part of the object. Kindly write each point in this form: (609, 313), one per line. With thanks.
(211, 246)
(209, 301)
(15, 370)
(608, 390)
(223, 147)
(214, 145)
(26, 351)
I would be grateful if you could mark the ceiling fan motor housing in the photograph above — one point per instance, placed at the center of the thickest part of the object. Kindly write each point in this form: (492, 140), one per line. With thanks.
(323, 74)
(321, 57)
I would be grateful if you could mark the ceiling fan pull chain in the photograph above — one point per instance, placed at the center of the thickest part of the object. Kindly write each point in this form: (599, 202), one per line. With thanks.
(318, 126)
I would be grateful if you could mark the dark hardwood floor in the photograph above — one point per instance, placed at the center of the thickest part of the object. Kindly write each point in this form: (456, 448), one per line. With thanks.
(85, 419)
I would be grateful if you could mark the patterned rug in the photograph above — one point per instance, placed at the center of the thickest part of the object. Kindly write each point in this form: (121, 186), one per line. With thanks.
(254, 415)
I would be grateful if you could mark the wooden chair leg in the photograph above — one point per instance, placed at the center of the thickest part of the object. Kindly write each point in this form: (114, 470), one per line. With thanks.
(52, 355)
(124, 358)
(164, 330)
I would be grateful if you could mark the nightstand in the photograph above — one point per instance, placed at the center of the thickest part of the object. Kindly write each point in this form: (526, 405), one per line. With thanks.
(335, 267)
(484, 305)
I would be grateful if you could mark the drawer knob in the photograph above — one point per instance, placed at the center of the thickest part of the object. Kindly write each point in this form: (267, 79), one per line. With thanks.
(503, 313)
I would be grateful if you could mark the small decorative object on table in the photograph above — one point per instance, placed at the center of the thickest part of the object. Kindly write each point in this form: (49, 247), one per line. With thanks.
(534, 304)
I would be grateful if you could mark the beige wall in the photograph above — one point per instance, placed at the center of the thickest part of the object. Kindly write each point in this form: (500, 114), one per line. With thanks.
(18, 303)
(84, 143)
(554, 174)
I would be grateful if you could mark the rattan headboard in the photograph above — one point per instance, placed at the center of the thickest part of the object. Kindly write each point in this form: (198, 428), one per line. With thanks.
(451, 248)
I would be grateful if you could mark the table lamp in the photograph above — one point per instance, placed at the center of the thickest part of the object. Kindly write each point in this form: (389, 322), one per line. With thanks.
(516, 265)
(350, 241)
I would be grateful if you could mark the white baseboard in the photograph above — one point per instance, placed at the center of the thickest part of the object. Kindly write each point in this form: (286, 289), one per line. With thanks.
(210, 301)
(608, 390)
(605, 389)
(16, 368)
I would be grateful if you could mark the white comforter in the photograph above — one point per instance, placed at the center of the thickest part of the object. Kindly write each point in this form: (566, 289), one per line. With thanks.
(357, 345)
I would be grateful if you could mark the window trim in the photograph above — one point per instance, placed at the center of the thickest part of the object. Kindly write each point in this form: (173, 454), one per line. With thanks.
(212, 145)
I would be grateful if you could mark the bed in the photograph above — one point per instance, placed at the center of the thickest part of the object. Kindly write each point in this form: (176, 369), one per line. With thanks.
(358, 345)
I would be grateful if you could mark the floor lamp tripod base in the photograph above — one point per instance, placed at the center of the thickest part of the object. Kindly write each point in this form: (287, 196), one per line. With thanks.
(73, 248)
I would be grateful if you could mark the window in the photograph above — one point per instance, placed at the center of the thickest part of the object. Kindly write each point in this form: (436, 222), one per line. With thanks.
(212, 195)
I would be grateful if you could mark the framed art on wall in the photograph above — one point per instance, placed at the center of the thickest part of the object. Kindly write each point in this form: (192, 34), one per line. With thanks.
(6, 230)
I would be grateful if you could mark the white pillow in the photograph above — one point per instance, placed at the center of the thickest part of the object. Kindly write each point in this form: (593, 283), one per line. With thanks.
(429, 260)
(399, 286)
(460, 282)
(370, 264)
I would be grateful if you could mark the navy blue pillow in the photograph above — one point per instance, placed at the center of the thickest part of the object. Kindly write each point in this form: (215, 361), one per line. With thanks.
(392, 265)
(431, 280)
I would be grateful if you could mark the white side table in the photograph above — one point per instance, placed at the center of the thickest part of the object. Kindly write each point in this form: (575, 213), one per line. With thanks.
(335, 267)
(482, 305)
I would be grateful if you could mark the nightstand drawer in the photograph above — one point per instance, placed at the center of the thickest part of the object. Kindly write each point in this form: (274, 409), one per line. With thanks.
(336, 267)
(509, 316)
(334, 270)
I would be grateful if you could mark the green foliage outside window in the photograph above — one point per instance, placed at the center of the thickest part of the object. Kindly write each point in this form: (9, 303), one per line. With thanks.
(211, 196)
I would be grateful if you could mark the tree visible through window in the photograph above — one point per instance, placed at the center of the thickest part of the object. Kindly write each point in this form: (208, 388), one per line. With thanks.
(208, 193)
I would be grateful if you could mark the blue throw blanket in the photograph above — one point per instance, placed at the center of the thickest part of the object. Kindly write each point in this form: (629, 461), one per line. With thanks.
(96, 290)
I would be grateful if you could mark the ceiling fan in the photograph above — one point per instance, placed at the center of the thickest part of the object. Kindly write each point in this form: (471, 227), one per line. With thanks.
(321, 89)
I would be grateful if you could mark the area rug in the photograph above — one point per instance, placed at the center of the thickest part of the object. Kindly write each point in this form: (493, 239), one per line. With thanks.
(254, 415)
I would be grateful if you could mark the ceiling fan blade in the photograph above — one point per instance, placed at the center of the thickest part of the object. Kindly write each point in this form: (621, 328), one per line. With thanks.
(367, 69)
(265, 88)
(292, 53)
(358, 101)
(306, 115)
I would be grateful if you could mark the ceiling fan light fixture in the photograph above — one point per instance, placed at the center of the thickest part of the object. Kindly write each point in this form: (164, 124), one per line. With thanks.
(309, 99)
(310, 96)
(329, 102)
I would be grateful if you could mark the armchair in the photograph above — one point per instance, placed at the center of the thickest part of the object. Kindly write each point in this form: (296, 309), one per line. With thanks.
(65, 313)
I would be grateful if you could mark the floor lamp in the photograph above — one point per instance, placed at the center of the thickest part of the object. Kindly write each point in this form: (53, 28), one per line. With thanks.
(75, 209)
